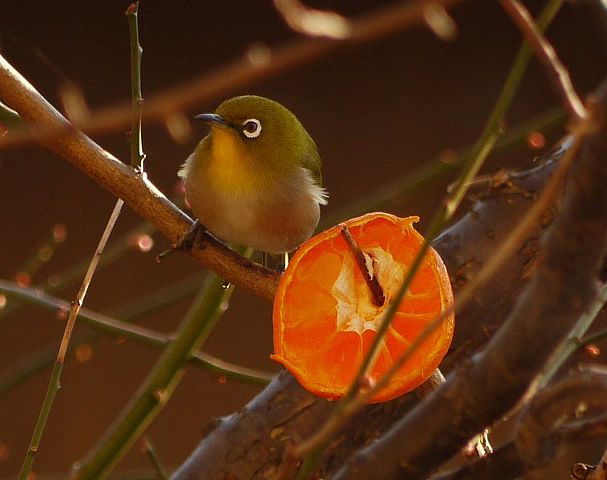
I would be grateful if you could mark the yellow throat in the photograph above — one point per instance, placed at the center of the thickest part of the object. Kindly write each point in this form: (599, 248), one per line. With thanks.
(230, 167)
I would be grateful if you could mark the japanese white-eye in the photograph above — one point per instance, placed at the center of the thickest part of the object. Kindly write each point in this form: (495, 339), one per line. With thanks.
(255, 179)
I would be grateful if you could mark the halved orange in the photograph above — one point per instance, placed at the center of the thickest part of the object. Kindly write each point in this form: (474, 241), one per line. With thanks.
(325, 318)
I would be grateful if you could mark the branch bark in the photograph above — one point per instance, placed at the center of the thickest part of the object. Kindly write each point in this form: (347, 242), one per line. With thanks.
(126, 183)
(249, 443)
(490, 384)
(548, 424)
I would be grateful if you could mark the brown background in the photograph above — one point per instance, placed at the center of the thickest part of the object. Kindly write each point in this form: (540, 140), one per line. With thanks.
(376, 111)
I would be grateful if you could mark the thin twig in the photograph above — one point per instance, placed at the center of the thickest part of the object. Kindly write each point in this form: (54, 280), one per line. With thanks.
(555, 70)
(117, 328)
(161, 382)
(353, 402)
(150, 451)
(469, 171)
(87, 280)
(137, 153)
(54, 383)
(523, 344)
(361, 261)
(574, 342)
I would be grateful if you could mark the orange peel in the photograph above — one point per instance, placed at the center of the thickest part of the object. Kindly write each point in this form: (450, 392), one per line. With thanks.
(325, 317)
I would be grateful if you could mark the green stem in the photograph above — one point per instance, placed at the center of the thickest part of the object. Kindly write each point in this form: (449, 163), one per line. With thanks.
(54, 382)
(161, 382)
(49, 397)
(470, 169)
(574, 341)
(111, 254)
(137, 154)
(110, 326)
(431, 171)
(471, 165)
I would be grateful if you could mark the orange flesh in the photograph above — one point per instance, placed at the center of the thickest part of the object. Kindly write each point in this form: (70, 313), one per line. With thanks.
(325, 319)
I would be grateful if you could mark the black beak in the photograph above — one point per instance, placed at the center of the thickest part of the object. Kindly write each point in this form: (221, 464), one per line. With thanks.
(214, 118)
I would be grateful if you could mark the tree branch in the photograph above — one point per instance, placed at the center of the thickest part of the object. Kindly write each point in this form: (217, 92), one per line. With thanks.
(489, 385)
(549, 422)
(249, 443)
(553, 415)
(555, 70)
(124, 182)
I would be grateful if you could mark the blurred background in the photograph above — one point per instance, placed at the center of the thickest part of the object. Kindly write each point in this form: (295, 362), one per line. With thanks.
(376, 111)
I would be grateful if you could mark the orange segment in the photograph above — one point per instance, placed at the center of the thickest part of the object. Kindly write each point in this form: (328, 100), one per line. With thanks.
(325, 318)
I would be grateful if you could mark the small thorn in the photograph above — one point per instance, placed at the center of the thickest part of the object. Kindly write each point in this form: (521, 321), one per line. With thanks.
(161, 256)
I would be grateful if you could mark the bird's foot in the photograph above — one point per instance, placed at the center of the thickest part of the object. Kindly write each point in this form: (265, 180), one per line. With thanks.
(189, 240)
(278, 262)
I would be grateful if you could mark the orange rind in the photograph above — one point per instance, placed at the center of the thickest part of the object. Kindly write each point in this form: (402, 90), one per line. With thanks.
(325, 317)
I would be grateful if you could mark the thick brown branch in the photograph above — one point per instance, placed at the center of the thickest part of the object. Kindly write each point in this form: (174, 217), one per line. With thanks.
(553, 419)
(124, 182)
(51, 129)
(503, 464)
(254, 438)
(563, 286)
(554, 415)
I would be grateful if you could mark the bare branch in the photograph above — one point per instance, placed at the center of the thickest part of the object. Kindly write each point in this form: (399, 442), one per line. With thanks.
(289, 414)
(543, 50)
(503, 464)
(547, 419)
(551, 419)
(600, 471)
(490, 384)
(123, 182)
(55, 378)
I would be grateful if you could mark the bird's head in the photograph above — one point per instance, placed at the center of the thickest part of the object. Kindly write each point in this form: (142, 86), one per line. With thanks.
(260, 135)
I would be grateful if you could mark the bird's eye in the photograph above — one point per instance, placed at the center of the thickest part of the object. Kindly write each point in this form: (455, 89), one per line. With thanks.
(251, 128)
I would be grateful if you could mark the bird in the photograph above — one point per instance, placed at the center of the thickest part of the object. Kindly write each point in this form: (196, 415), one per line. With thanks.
(256, 179)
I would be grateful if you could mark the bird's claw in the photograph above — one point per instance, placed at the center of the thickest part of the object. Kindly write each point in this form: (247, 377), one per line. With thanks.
(189, 240)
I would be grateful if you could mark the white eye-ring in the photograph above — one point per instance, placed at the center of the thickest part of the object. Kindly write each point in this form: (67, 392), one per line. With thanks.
(251, 128)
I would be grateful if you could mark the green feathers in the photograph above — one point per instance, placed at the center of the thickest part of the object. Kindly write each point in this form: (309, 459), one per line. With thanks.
(255, 179)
